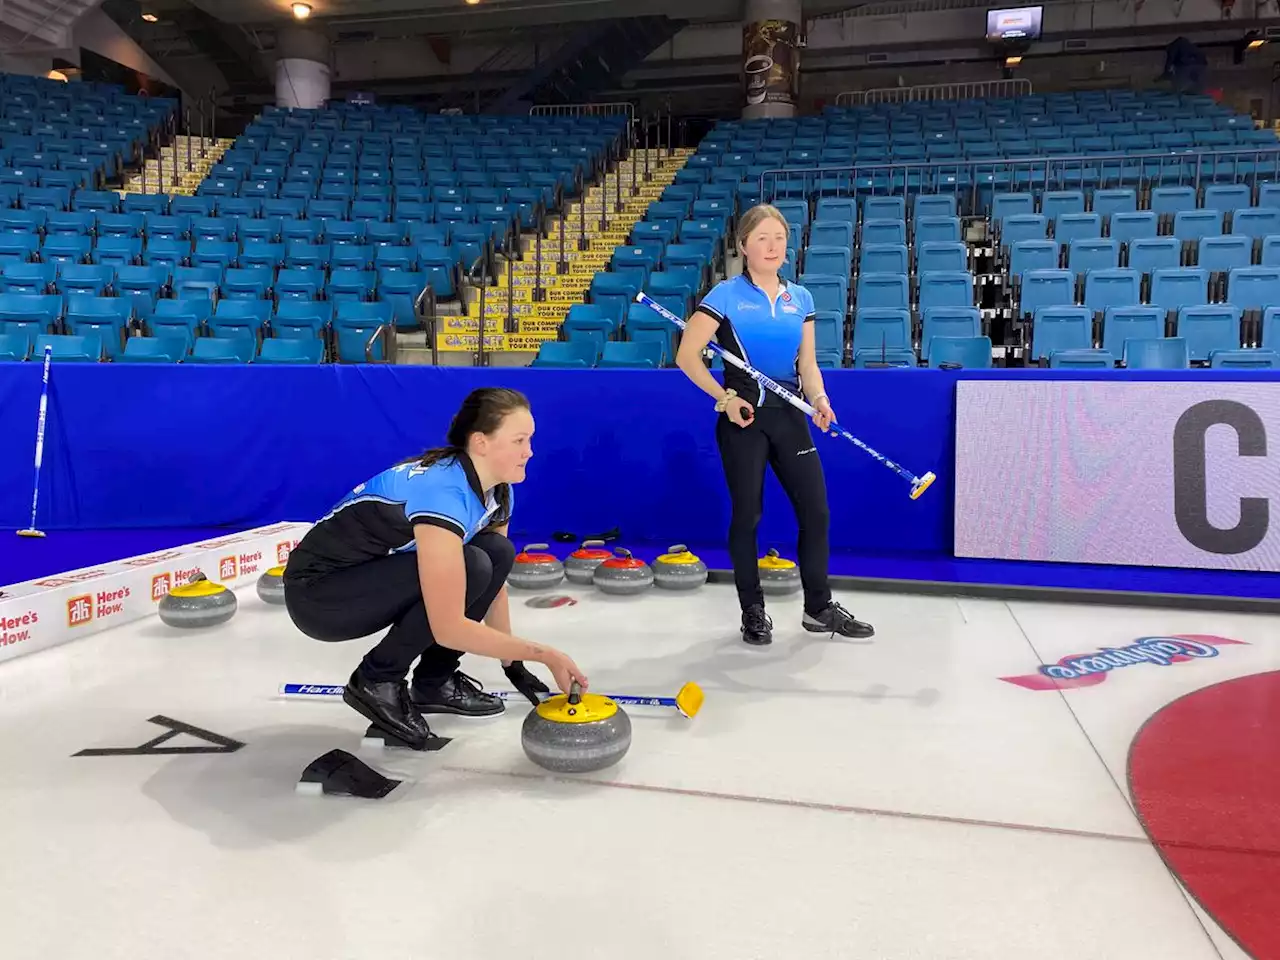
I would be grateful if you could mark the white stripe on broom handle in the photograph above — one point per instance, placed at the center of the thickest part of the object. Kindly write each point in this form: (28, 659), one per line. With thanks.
(44, 409)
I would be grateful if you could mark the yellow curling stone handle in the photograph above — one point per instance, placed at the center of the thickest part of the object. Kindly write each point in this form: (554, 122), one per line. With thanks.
(771, 561)
(198, 588)
(678, 554)
(577, 707)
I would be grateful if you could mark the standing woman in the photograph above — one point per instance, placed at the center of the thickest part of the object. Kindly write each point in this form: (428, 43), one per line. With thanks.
(422, 549)
(768, 323)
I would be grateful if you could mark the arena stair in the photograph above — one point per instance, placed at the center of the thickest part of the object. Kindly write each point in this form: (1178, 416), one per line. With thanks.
(167, 171)
(525, 305)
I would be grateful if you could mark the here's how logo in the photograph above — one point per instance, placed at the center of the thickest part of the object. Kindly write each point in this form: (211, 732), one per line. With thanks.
(16, 629)
(283, 549)
(90, 607)
(1089, 669)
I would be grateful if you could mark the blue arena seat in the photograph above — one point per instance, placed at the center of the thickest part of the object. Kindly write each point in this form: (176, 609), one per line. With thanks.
(1209, 328)
(1166, 353)
(946, 321)
(891, 357)
(1082, 360)
(634, 353)
(153, 350)
(877, 329)
(890, 258)
(1178, 287)
(1093, 254)
(560, 354)
(70, 348)
(291, 351)
(1060, 328)
(967, 352)
(29, 278)
(1256, 359)
(1112, 288)
(1045, 288)
(14, 346)
(1131, 323)
(222, 350)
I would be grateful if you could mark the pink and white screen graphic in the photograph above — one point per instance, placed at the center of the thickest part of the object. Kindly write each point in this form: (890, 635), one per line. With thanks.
(1168, 474)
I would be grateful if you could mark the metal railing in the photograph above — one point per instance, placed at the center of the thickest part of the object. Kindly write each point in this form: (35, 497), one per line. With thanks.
(969, 90)
(205, 109)
(499, 311)
(967, 178)
(612, 108)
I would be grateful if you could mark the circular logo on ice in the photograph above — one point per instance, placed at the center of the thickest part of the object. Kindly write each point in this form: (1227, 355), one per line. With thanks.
(1090, 669)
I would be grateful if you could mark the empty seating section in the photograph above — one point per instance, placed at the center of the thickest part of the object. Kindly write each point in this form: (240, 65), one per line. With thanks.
(1042, 224)
(334, 228)
(61, 142)
(1087, 229)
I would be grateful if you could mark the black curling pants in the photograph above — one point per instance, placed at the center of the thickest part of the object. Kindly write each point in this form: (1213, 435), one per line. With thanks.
(780, 438)
(385, 593)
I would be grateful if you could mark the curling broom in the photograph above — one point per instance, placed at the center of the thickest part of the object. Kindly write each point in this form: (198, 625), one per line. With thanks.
(918, 484)
(33, 531)
(688, 700)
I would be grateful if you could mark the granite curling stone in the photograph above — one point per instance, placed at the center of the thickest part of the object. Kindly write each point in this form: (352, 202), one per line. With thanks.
(576, 733)
(581, 564)
(535, 569)
(623, 575)
(678, 569)
(197, 603)
(271, 586)
(778, 576)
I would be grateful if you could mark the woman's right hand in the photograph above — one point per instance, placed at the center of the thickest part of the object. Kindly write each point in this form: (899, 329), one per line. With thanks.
(563, 669)
(739, 412)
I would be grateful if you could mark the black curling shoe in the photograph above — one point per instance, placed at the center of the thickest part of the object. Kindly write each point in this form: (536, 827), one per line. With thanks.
(835, 619)
(757, 628)
(387, 706)
(458, 695)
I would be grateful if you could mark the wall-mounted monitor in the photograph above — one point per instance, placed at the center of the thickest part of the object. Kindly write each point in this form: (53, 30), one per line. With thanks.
(1014, 24)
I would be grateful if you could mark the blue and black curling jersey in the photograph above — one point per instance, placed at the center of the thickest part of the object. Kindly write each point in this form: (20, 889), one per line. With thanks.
(377, 517)
(763, 333)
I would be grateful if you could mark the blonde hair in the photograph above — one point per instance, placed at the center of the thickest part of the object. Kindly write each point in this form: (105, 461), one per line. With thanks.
(756, 216)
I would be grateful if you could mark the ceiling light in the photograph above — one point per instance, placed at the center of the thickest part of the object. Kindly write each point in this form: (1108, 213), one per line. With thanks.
(302, 10)
(150, 17)
(1012, 61)
(472, 3)
(1255, 44)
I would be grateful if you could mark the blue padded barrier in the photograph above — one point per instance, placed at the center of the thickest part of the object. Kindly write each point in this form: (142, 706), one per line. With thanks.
(635, 449)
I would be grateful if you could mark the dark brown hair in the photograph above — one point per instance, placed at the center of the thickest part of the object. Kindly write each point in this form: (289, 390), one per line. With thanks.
(482, 411)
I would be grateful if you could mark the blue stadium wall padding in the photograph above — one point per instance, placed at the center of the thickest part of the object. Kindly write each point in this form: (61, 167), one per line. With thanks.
(131, 447)
(177, 446)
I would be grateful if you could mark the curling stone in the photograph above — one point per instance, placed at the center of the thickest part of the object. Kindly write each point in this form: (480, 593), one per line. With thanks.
(581, 564)
(678, 569)
(623, 575)
(576, 733)
(535, 569)
(271, 586)
(197, 603)
(778, 576)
